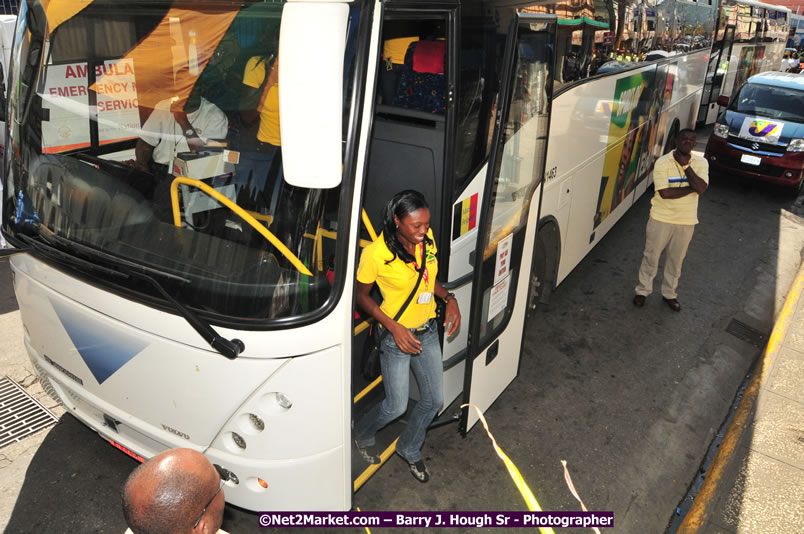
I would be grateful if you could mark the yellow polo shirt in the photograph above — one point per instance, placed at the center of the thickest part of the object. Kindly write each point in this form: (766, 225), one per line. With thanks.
(667, 173)
(396, 279)
(269, 113)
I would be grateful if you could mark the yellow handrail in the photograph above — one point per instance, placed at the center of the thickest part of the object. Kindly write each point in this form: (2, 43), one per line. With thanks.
(367, 389)
(368, 224)
(174, 200)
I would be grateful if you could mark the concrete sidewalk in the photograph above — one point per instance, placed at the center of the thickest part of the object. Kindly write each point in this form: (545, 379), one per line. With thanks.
(756, 481)
(14, 363)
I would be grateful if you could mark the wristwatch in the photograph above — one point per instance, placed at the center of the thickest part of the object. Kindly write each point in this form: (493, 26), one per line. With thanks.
(189, 132)
(448, 297)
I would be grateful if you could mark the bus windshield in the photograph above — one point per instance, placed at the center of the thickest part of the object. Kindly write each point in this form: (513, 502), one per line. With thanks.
(149, 131)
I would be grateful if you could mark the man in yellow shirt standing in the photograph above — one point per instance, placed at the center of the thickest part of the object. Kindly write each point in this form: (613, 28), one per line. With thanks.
(679, 178)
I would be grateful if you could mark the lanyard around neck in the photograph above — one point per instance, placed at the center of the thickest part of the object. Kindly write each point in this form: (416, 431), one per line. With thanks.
(426, 274)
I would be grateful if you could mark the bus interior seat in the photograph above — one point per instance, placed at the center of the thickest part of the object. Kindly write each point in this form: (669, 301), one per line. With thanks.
(407, 152)
(422, 81)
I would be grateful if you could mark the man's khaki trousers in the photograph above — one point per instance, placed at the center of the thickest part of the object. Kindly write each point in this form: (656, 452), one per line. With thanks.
(675, 238)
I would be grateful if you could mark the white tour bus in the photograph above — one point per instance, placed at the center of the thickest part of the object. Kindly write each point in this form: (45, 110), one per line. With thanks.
(751, 37)
(205, 298)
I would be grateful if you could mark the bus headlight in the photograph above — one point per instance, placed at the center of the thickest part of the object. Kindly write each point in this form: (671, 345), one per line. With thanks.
(721, 130)
(796, 145)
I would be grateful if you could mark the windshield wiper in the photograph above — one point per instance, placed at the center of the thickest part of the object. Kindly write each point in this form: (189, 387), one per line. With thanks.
(126, 269)
(11, 251)
(59, 255)
(48, 235)
(229, 348)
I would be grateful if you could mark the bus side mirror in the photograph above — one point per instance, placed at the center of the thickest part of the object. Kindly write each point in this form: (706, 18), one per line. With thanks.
(312, 41)
(723, 100)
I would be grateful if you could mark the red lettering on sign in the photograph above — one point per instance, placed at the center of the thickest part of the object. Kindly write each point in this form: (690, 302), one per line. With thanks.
(115, 69)
(79, 71)
(70, 90)
(112, 105)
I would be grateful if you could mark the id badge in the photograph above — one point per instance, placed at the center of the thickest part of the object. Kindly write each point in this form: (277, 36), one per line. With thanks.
(424, 298)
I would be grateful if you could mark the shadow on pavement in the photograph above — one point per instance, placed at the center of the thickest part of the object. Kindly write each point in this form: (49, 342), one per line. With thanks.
(71, 483)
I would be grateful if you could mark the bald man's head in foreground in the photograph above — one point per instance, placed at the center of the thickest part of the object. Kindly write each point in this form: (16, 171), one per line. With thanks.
(175, 492)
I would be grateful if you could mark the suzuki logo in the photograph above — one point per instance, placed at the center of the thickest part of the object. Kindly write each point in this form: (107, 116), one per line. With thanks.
(755, 146)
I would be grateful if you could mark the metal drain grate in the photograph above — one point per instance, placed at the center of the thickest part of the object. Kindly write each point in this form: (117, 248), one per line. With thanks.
(20, 414)
(742, 331)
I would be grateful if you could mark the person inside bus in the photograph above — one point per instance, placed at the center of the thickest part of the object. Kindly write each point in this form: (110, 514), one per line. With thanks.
(394, 261)
(177, 491)
(174, 127)
(261, 153)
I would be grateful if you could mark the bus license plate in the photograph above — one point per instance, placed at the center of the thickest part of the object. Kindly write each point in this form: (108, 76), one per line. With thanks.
(751, 160)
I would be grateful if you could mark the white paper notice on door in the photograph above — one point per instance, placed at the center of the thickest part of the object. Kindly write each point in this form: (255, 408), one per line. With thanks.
(503, 264)
(498, 297)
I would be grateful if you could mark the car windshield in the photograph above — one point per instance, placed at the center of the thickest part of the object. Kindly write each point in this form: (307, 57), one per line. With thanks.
(149, 133)
(771, 102)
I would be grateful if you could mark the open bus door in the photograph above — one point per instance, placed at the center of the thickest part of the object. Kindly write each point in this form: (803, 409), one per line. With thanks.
(509, 213)
(410, 148)
(718, 67)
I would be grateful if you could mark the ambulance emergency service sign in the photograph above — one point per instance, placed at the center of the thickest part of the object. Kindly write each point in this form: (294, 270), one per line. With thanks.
(761, 130)
(66, 97)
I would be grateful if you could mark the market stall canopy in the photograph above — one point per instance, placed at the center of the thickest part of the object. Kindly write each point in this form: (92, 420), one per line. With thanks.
(583, 20)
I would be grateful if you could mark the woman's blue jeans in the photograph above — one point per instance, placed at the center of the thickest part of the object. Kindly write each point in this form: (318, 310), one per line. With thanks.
(396, 365)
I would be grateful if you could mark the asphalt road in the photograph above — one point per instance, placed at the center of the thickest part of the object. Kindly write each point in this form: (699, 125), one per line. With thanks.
(631, 398)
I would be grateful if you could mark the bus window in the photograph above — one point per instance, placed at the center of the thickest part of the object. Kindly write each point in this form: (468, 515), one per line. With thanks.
(577, 35)
(409, 127)
(412, 73)
(155, 139)
(571, 59)
(481, 57)
(744, 24)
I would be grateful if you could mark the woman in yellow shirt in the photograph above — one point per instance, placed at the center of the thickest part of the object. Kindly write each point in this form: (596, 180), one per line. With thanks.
(393, 261)
(260, 167)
